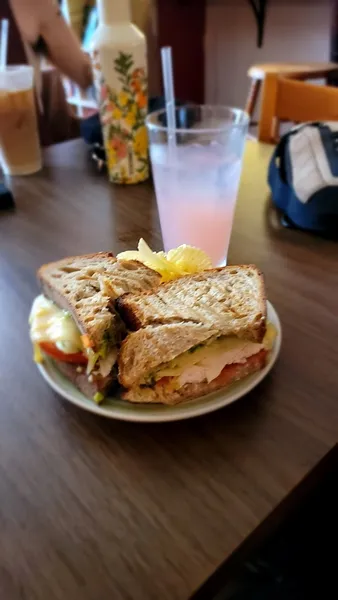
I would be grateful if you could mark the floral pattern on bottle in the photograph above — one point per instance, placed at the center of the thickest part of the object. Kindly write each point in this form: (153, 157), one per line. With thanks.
(122, 113)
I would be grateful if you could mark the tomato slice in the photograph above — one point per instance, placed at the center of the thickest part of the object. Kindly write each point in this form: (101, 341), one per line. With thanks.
(53, 351)
(164, 380)
(236, 371)
(230, 373)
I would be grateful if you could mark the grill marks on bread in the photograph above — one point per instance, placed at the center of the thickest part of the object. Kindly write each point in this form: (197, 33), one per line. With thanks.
(188, 311)
(87, 285)
(231, 298)
(228, 298)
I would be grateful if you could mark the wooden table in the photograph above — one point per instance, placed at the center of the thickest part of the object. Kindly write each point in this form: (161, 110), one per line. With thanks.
(93, 509)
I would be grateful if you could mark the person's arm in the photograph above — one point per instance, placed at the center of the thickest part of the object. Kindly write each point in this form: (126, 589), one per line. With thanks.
(43, 27)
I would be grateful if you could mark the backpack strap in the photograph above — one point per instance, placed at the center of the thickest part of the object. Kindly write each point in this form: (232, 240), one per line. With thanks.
(278, 172)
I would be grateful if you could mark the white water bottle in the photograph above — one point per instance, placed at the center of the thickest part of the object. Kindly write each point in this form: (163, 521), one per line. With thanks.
(118, 51)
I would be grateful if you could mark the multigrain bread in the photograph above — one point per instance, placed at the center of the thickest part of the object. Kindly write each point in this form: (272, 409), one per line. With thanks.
(165, 394)
(143, 350)
(86, 286)
(230, 299)
(186, 312)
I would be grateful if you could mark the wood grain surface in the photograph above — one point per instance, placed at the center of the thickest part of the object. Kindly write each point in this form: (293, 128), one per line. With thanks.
(92, 509)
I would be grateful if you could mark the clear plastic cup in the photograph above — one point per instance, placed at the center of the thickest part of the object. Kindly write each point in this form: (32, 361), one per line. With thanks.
(20, 152)
(196, 179)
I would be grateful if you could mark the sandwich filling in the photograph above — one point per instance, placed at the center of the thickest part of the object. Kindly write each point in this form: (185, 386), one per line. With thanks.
(204, 363)
(54, 332)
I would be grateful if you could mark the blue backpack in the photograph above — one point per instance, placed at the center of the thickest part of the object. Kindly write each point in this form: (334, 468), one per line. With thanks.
(303, 177)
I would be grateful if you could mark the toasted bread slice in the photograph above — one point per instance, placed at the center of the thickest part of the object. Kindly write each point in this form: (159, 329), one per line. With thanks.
(188, 311)
(163, 392)
(87, 285)
(231, 299)
(143, 350)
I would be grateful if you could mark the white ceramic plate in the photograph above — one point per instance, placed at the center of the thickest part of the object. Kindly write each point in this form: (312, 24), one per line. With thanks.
(115, 408)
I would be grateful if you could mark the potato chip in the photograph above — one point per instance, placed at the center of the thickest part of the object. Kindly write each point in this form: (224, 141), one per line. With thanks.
(179, 261)
(129, 255)
(157, 262)
(189, 259)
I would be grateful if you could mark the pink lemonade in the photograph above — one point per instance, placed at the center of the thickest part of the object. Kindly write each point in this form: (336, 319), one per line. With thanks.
(196, 191)
(204, 226)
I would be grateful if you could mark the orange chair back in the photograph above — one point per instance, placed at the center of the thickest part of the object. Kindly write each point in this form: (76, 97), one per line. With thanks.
(289, 100)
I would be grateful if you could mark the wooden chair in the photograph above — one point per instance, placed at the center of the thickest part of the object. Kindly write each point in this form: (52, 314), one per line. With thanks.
(297, 101)
(301, 71)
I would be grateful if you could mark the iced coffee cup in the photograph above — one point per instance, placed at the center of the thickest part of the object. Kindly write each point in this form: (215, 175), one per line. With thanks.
(20, 152)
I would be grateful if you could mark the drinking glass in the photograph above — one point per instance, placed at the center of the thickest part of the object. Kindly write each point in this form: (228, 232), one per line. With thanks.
(196, 170)
(20, 152)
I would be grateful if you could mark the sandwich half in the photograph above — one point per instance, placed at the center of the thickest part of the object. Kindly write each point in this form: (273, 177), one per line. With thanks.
(74, 321)
(194, 335)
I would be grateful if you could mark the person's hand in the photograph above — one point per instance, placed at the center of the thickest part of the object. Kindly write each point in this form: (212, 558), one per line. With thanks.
(42, 27)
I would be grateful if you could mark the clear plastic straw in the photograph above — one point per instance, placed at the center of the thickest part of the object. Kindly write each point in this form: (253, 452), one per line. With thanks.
(169, 94)
(4, 44)
(78, 97)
